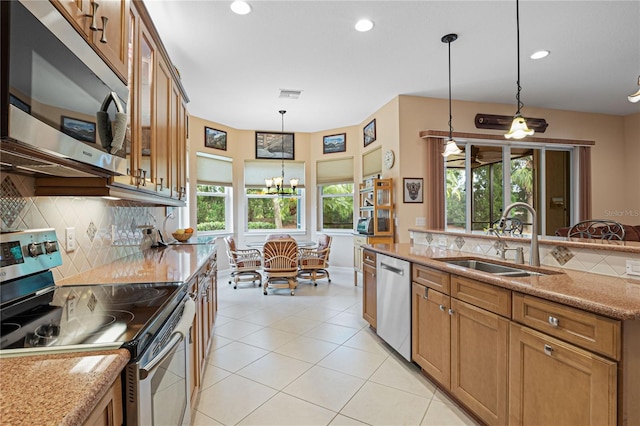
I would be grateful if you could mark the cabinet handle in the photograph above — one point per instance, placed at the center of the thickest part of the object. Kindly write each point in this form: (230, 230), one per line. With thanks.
(451, 311)
(553, 321)
(103, 39)
(160, 184)
(548, 350)
(94, 16)
(442, 308)
(426, 293)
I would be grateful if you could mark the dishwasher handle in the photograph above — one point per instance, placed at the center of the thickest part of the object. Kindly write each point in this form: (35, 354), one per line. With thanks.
(391, 269)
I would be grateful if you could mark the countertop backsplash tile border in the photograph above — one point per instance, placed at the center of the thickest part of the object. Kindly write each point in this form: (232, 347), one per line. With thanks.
(612, 263)
(96, 221)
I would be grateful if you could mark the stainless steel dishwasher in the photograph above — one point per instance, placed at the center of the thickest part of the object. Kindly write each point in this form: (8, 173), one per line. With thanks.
(394, 303)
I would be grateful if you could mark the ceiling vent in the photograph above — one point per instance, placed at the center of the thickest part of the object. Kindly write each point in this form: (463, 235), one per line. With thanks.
(290, 94)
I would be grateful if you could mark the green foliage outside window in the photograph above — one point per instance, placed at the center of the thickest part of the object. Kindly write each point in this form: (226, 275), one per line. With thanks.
(272, 212)
(337, 206)
(210, 208)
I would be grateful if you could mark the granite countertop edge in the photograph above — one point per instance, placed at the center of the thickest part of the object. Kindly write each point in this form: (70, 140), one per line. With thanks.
(617, 298)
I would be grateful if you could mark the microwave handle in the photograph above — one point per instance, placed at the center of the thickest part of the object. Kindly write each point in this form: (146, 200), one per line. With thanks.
(180, 332)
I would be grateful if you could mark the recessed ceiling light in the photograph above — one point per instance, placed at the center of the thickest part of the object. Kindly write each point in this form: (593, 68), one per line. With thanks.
(240, 7)
(364, 25)
(540, 54)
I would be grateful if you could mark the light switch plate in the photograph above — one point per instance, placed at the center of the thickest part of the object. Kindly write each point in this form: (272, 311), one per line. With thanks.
(70, 239)
(633, 267)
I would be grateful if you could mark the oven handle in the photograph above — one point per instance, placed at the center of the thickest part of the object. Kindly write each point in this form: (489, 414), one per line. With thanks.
(180, 332)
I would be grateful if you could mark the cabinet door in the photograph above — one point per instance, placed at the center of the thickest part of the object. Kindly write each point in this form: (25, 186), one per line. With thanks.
(144, 128)
(369, 289)
(175, 141)
(553, 382)
(479, 361)
(163, 130)
(76, 11)
(431, 333)
(111, 41)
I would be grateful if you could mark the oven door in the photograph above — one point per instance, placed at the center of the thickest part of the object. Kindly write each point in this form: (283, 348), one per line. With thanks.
(158, 390)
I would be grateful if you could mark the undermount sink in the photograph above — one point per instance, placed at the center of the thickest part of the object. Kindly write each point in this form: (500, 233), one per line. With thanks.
(492, 268)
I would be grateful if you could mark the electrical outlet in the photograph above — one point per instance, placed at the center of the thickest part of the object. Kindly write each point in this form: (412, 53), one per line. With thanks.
(633, 267)
(72, 301)
(70, 239)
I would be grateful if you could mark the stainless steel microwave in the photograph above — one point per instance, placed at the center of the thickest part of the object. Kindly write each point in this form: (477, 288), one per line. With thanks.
(60, 102)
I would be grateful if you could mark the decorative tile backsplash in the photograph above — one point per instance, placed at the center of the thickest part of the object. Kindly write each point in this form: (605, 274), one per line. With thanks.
(105, 230)
(605, 262)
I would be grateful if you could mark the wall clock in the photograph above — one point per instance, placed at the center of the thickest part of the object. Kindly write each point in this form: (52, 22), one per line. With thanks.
(389, 159)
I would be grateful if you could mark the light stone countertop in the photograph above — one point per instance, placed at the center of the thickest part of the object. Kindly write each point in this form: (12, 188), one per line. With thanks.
(60, 389)
(617, 298)
(63, 388)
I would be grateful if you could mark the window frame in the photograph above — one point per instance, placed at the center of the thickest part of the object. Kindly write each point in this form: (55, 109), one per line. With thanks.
(321, 198)
(228, 207)
(301, 225)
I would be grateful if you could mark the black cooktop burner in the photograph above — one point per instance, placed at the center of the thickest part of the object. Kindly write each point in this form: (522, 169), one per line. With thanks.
(124, 315)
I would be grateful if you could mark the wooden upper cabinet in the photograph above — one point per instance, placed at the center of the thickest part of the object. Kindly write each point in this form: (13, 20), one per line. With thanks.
(111, 34)
(164, 129)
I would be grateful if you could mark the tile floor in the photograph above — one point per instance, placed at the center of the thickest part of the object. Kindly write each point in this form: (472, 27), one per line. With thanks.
(310, 359)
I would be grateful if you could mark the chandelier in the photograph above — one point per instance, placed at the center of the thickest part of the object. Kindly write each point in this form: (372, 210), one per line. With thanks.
(275, 185)
(450, 148)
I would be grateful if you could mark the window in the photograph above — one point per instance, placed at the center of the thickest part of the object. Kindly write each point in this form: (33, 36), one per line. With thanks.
(337, 206)
(335, 193)
(540, 177)
(268, 212)
(213, 193)
(213, 205)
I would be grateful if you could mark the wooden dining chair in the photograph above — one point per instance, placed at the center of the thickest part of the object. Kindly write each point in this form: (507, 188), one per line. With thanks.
(280, 264)
(313, 262)
(244, 263)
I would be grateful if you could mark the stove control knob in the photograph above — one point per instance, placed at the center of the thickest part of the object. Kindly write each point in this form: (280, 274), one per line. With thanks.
(50, 246)
(35, 249)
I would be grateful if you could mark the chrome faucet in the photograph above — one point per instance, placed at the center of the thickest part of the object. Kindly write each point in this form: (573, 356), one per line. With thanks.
(502, 248)
(534, 252)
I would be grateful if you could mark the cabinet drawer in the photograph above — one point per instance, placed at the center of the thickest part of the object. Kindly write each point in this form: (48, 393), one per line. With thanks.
(369, 258)
(432, 278)
(585, 329)
(359, 240)
(482, 295)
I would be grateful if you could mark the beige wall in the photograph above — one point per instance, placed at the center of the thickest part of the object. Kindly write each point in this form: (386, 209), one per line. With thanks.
(616, 175)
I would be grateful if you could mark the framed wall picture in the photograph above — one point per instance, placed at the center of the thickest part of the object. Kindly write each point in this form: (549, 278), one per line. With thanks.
(275, 146)
(413, 190)
(214, 138)
(79, 129)
(369, 132)
(334, 143)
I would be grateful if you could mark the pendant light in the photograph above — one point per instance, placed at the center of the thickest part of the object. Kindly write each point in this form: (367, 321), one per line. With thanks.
(519, 127)
(275, 185)
(451, 148)
(635, 97)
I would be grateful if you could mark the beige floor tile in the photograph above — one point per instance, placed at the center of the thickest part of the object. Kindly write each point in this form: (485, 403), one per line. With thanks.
(275, 370)
(236, 355)
(381, 405)
(331, 333)
(353, 361)
(294, 324)
(341, 420)
(233, 398)
(269, 338)
(317, 313)
(218, 342)
(440, 414)
(367, 340)
(212, 375)
(200, 419)
(236, 329)
(327, 388)
(284, 409)
(239, 311)
(349, 319)
(443, 398)
(307, 349)
(403, 375)
(266, 316)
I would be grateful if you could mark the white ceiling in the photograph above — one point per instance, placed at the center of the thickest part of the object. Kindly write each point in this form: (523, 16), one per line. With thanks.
(233, 67)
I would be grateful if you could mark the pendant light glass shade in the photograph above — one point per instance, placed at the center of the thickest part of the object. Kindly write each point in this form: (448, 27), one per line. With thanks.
(450, 148)
(635, 97)
(519, 128)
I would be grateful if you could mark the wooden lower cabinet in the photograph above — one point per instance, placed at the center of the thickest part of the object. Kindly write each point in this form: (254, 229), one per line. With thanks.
(108, 411)
(369, 292)
(554, 382)
(479, 361)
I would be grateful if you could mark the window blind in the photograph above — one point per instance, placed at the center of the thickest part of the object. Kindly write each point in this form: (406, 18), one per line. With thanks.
(334, 171)
(372, 162)
(255, 172)
(214, 169)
